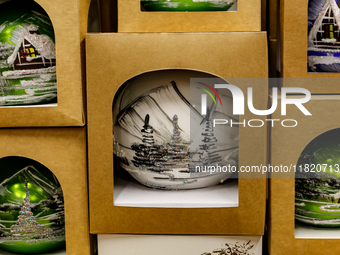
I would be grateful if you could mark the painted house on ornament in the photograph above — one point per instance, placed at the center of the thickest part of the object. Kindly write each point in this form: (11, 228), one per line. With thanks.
(324, 39)
(33, 51)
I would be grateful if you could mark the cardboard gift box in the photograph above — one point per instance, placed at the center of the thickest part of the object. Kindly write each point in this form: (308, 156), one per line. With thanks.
(131, 18)
(293, 47)
(70, 25)
(152, 244)
(128, 207)
(45, 159)
(285, 233)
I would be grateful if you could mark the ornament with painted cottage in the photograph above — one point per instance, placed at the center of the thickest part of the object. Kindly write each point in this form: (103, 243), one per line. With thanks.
(27, 55)
(323, 36)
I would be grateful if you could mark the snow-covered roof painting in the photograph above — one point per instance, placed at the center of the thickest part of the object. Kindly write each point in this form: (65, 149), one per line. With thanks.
(329, 5)
(43, 44)
(324, 36)
(27, 55)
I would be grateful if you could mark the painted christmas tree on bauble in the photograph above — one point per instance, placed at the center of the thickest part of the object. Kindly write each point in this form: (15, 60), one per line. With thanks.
(187, 5)
(27, 55)
(323, 36)
(32, 218)
(164, 141)
(317, 184)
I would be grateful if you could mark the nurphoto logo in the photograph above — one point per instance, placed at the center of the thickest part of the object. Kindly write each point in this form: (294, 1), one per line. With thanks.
(239, 104)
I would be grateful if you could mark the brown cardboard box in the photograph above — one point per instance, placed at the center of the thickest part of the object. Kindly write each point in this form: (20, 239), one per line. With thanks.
(132, 19)
(63, 152)
(293, 40)
(286, 147)
(70, 25)
(113, 59)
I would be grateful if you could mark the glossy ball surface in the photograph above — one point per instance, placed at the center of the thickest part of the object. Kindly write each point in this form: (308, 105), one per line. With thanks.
(160, 134)
(186, 5)
(317, 184)
(32, 218)
(27, 55)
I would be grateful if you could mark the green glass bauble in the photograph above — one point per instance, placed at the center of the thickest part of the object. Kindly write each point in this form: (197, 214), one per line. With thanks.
(317, 184)
(32, 218)
(27, 55)
(186, 5)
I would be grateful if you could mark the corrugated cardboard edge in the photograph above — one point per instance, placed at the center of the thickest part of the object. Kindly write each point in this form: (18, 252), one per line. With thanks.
(84, 6)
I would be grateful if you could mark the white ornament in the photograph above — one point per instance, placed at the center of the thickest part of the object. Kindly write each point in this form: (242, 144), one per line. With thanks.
(163, 141)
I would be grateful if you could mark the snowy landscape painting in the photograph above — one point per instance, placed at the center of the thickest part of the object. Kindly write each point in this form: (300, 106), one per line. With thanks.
(317, 192)
(32, 218)
(164, 142)
(323, 36)
(27, 55)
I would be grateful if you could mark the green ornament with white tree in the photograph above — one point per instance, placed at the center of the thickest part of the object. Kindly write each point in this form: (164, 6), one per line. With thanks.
(32, 218)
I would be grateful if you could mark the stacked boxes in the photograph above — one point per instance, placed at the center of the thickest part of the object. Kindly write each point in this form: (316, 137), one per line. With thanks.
(146, 49)
(303, 212)
(43, 161)
(286, 234)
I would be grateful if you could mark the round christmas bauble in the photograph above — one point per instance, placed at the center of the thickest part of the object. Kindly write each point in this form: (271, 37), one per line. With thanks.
(164, 140)
(27, 55)
(187, 5)
(32, 218)
(317, 184)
